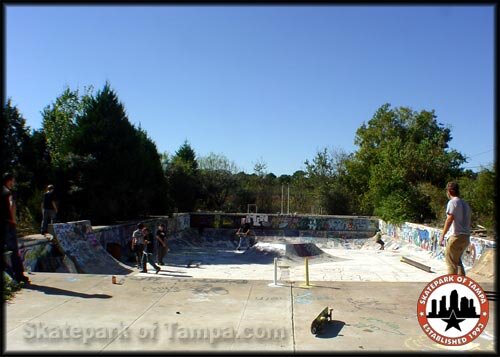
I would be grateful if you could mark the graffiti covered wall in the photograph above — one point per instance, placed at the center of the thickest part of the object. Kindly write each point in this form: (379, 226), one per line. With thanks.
(427, 238)
(47, 256)
(292, 225)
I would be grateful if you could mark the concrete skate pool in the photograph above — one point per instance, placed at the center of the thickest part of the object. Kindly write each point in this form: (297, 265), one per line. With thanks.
(328, 260)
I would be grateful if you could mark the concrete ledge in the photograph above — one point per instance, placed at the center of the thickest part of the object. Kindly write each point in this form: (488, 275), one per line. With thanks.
(416, 264)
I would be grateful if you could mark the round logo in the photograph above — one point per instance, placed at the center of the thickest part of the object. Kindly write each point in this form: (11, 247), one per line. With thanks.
(453, 310)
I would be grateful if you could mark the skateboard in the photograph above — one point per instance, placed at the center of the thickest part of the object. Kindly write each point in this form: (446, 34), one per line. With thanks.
(193, 263)
(319, 322)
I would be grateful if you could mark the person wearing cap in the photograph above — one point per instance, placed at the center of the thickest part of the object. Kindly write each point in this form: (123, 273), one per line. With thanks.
(49, 209)
(458, 220)
(8, 227)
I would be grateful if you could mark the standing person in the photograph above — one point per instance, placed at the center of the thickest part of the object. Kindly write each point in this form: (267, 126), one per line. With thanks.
(49, 209)
(147, 255)
(8, 227)
(378, 239)
(161, 238)
(138, 243)
(458, 220)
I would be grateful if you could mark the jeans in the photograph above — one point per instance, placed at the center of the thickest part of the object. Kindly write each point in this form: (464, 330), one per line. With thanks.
(162, 251)
(453, 254)
(12, 245)
(138, 250)
(48, 215)
(148, 258)
(243, 241)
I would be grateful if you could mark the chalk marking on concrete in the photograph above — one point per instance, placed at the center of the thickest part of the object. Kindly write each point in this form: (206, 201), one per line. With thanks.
(55, 307)
(133, 322)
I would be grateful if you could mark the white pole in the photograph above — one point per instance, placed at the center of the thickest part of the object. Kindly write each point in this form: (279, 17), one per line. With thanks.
(282, 198)
(288, 208)
(275, 271)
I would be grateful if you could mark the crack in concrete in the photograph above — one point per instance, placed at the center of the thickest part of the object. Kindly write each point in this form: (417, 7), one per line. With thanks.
(242, 313)
(133, 322)
(293, 322)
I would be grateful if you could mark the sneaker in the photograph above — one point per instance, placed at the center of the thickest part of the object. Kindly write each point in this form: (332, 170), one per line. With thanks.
(158, 270)
(25, 280)
(143, 271)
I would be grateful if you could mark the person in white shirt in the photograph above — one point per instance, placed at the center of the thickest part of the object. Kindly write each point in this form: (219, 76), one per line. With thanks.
(458, 222)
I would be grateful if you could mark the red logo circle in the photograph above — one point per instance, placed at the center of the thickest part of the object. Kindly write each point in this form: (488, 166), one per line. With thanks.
(453, 310)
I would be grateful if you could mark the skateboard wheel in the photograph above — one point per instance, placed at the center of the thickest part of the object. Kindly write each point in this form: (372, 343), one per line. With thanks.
(314, 330)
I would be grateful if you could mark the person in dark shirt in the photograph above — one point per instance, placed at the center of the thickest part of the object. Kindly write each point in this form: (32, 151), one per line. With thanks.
(49, 209)
(243, 234)
(8, 227)
(161, 238)
(147, 254)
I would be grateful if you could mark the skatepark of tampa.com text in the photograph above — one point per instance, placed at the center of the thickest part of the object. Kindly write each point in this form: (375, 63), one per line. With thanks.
(34, 332)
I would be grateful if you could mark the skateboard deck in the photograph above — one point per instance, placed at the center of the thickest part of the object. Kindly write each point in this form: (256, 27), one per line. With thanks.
(319, 322)
(193, 263)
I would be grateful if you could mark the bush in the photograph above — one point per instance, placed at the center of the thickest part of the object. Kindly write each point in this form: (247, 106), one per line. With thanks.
(10, 286)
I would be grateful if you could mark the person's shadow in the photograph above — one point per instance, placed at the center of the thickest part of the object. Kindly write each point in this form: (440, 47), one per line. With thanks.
(56, 291)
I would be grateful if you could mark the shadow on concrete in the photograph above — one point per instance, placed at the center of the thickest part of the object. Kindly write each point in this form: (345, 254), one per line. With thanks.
(332, 329)
(56, 291)
(176, 275)
(318, 285)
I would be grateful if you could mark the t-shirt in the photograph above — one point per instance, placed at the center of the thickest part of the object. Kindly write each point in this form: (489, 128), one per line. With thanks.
(5, 205)
(138, 236)
(161, 235)
(48, 197)
(150, 246)
(461, 216)
(246, 228)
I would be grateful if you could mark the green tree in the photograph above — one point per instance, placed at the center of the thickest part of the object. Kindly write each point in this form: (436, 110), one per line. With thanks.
(15, 138)
(59, 122)
(121, 170)
(183, 178)
(244, 193)
(400, 149)
(262, 183)
(23, 154)
(217, 181)
(479, 191)
(300, 193)
(329, 190)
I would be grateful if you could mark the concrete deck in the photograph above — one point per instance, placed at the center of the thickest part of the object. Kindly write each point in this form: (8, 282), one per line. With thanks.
(228, 304)
(146, 312)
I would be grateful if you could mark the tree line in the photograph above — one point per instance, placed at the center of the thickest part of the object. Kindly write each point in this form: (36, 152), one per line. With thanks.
(107, 170)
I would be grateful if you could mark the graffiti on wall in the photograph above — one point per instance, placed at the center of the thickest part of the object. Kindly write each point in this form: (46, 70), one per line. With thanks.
(78, 241)
(427, 238)
(182, 222)
(258, 220)
(33, 254)
(302, 223)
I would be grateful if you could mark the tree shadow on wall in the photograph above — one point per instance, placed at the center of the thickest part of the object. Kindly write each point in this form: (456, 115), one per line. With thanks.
(49, 290)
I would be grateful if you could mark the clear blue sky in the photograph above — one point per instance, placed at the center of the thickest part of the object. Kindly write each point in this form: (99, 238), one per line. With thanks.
(276, 83)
